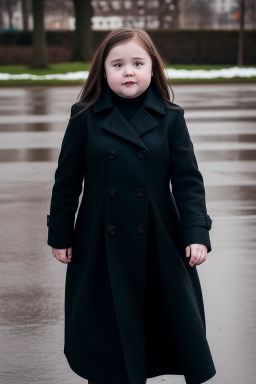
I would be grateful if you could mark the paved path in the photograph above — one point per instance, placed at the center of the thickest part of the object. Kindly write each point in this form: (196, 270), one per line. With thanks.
(222, 123)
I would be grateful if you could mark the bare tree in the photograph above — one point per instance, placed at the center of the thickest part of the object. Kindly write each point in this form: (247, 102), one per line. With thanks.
(240, 53)
(39, 44)
(250, 6)
(9, 6)
(24, 4)
(1, 14)
(83, 33)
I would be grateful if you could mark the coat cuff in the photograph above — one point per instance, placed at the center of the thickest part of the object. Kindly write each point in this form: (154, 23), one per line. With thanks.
(60, 232)
(197, 220)
(197, 235)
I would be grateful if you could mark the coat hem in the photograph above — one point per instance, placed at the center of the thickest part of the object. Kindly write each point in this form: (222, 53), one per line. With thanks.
(202, 380)
(161, 371)
(88, 376)
(152, 374)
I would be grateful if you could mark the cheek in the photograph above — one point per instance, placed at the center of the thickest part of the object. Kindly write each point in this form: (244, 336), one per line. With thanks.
(147, 76)
(113, 77)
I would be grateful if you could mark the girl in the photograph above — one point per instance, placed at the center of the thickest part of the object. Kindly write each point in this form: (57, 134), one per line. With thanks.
(133, 301)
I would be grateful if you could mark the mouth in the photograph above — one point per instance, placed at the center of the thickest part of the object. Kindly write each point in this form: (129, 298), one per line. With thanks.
(129, 83)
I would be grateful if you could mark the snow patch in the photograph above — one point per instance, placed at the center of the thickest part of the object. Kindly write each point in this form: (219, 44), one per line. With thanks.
(227, 73)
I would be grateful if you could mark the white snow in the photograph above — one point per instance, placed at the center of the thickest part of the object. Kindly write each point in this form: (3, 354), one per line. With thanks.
(170, 73)
(81, 75)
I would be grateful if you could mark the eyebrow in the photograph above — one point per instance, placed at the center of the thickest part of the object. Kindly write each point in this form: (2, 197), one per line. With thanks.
(134, 58)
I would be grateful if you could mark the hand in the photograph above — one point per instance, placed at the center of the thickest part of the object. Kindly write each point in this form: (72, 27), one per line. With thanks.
(198, 253)
(62, 255)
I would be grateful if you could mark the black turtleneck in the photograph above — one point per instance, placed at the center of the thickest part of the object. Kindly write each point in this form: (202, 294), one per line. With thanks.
(128, 106)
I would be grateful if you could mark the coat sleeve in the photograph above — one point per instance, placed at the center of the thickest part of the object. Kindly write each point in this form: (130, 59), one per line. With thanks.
(67, 186)
(188, 186)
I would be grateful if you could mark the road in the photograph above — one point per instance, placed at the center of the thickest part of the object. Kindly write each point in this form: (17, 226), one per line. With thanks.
(222, 123)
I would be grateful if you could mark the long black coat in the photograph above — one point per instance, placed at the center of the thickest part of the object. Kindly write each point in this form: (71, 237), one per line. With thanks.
(133, 305)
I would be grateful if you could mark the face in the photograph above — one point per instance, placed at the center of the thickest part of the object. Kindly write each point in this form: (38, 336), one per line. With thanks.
(128, 69)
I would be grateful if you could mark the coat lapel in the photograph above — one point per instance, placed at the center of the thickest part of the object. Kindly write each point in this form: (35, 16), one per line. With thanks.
(141, 122)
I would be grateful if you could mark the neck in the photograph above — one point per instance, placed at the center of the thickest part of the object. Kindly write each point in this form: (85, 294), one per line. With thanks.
(128, 101)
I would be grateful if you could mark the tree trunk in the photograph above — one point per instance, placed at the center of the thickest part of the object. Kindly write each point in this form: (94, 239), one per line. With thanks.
(83, 33)
(240, 56)
(25, 14)
(9, 11)
(39, 45)
(1, 15)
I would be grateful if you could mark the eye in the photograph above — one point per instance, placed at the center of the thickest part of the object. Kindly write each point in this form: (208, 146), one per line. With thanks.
(118, 65)
(138, 64)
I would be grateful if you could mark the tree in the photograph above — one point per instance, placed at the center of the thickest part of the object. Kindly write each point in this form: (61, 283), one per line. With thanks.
(39, 45)
(82, 50)
(250, 6)
(24, 4)
(9, 6)
(240, 54)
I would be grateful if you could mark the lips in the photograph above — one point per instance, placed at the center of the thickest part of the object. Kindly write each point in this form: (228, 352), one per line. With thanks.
(129, 82)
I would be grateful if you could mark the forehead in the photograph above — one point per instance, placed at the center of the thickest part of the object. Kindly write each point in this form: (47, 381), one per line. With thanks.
(126, 49)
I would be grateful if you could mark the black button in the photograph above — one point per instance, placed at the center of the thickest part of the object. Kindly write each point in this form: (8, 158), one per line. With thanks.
(112, 229)
(140, 192)
(142, 154)
(111, 154)
(112, 192)
(140, 228)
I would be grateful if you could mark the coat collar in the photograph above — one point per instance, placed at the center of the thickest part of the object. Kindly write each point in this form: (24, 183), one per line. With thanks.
(152, 100)
(141, 122)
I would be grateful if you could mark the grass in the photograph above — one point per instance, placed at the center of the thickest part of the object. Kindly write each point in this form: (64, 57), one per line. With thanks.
(79, 66)
(54, 68)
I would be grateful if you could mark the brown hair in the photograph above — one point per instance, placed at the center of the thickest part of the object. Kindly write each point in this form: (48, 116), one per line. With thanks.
(91, 90)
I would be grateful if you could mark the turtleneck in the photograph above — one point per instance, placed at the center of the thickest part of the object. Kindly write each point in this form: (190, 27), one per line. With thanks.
(128, 106)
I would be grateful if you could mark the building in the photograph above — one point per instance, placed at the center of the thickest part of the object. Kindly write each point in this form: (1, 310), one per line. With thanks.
(148, 14)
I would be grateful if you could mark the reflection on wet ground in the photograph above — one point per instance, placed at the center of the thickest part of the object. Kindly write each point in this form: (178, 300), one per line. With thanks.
(222, 123)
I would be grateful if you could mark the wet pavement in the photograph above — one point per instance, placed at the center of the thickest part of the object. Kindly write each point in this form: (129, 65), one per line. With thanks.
(222, 124)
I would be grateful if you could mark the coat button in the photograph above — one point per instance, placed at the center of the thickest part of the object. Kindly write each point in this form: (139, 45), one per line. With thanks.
(111, 154)
(112, 192)
(140, 228)
(140, 192)
(142, 154)
(112, 229)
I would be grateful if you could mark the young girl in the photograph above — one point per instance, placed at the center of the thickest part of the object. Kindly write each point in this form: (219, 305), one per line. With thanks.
(133, 301)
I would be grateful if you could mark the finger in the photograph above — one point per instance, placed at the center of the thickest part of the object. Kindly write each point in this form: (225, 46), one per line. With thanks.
(69, 253)
(57, 253)
(204, 257)
(187, 251)
(60, 255)
(57, 256)
(201, 258)
(193, 258)
(64, 259)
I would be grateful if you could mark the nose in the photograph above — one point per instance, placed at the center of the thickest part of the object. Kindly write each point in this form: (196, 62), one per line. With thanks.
(128, 71)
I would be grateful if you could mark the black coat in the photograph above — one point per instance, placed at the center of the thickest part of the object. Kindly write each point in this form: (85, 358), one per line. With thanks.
(129, 215)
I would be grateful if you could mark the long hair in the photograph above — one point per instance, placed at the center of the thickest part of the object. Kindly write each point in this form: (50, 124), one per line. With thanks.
(91, 90)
